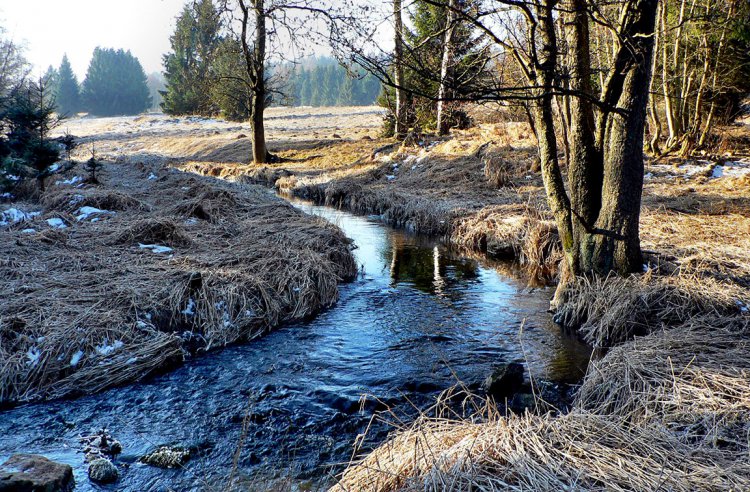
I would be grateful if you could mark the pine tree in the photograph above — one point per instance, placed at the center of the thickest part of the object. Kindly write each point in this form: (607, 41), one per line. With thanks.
(115, 84)
(67, 90)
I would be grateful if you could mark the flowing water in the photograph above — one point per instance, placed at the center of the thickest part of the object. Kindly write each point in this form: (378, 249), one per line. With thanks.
(287, 407)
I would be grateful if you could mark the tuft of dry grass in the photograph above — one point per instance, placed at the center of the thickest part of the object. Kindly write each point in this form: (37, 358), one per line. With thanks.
(69, 200)
(156, 230)
(577, 451)
(693, 380)
(607, 311)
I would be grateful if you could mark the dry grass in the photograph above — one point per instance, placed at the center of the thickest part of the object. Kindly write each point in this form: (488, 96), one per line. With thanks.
(607, 311)
(693, 380)
(577, 451)
(85, 307)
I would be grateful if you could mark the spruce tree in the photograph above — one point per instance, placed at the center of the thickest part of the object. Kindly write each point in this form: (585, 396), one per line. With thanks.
(188, 67)
(67, 91)
(115, 84)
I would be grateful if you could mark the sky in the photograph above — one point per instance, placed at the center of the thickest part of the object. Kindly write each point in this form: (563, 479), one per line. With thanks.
(50, 28)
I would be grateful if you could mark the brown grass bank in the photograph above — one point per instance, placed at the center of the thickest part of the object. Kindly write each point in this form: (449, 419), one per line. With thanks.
(114, 281)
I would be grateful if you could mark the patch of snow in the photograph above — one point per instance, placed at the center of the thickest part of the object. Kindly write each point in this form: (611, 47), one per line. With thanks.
(29, 231)
(390, 177)
(6, 196)
(190, 308)
(151, 176)
(56, 222)
(86, 212)
(131, 360)
(13, 215)
(648, 176)
(33, 356)
(718, 172)
(76, 358)
(191, 221)
(71, 181)
(155, 248)
(106, 349)
(54, 167)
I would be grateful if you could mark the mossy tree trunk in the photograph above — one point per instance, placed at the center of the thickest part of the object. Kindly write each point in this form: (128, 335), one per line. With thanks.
(598, 214)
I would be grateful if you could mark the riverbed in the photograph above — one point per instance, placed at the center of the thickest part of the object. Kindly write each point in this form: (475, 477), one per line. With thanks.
(288, 408)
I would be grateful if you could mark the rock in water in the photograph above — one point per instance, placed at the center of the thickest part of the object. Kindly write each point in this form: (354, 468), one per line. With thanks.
(504, 381)
(166, 457)
(34, 473)
(103, 471)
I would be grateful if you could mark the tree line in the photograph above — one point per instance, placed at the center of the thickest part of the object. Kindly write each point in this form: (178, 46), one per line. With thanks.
(327, 83)
(115, 84)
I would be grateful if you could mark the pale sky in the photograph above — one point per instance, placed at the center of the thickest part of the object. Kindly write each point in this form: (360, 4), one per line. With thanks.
(50, 28)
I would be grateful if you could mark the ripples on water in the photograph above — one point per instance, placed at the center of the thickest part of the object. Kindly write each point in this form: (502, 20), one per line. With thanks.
(418, 318)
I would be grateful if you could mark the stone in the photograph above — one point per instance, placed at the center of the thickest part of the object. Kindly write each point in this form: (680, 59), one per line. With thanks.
(167, 457)
(505, 381)
(102, 470)
(34, 473)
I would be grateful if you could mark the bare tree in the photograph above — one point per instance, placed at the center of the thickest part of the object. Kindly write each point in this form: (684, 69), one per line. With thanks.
(446, 66)
(398, 68)
(270, 30)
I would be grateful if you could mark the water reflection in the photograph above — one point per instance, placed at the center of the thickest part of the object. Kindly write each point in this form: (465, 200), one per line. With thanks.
(426, 265)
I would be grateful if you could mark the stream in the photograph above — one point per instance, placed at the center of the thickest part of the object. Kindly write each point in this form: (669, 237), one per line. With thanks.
(284, 411)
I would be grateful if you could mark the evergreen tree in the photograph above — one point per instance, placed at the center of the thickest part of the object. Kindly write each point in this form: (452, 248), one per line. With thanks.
(188, 68)
(28, 115)
(346, 92)
(67, 90)
(230, 90)
(115, 84)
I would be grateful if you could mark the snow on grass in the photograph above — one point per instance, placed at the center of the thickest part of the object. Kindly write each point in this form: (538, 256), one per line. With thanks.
(190, 308)
(76, 358)
(28, 231)
(155, 248)
(86, 212)
(33, 355)
(14, 215)
(717, 172)
(56, 222)
(71, 181)
(105, 348)
(76, 199)
(152, 176)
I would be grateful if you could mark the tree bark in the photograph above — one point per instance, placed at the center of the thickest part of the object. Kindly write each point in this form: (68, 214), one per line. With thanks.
(446, 67)
(614, 242)
(398, 70)
(260, 152)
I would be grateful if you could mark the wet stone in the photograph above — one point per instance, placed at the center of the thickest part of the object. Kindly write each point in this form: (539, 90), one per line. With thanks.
(34, 473)
(102, 470)
(505, 381)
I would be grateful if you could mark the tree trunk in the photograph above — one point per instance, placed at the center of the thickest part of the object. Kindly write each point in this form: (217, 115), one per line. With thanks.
(446, 67)
(585, 168)
(614, 242)
(398, 70)
(260, 152)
